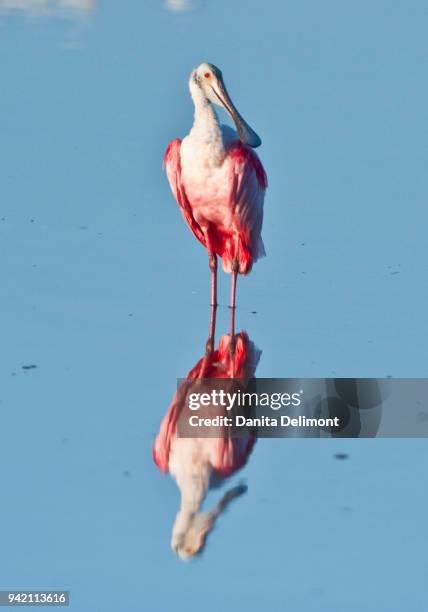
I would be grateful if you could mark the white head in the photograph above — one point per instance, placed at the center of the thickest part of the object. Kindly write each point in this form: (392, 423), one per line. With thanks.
(207, 80)
(192, 538)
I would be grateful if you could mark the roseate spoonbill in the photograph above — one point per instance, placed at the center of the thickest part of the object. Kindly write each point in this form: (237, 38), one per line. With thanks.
(219, 182)
(200, 463)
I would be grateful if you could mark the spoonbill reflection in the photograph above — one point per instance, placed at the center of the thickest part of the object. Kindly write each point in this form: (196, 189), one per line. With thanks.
(219, 182)
(47, 7)
(200, 463)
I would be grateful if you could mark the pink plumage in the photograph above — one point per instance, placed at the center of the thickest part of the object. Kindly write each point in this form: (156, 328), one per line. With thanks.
(236, 231)
(227, 454)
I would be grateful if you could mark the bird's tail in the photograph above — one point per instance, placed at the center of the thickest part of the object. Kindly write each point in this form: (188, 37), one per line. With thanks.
(246, 252)
(259, 251)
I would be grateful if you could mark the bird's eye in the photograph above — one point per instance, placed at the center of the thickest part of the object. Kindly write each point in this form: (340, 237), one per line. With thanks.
(207, 74)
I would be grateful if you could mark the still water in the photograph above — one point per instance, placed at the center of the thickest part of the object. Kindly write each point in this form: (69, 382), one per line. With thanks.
(105, 298)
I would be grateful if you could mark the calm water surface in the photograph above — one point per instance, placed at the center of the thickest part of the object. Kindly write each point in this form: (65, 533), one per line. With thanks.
(106, 292)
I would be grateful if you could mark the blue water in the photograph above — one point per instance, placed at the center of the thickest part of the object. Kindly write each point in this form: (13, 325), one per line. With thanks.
(105, 290)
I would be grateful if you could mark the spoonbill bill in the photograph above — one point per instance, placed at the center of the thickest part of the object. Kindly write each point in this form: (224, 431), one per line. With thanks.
(219, 182)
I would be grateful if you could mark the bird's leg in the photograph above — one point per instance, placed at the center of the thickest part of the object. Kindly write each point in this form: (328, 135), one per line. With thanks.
(209, 347)
(212, 262)
(211, 338)
(232, 304)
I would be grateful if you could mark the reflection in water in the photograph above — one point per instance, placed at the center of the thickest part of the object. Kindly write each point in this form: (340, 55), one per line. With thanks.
(49, 8)
(200, 463)
(180, 5)
(75, 12)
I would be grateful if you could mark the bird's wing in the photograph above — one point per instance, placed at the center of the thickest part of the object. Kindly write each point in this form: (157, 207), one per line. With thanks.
(167, 433)
(232, 453)
(248, 185)
(168, 429)
(172, 165)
